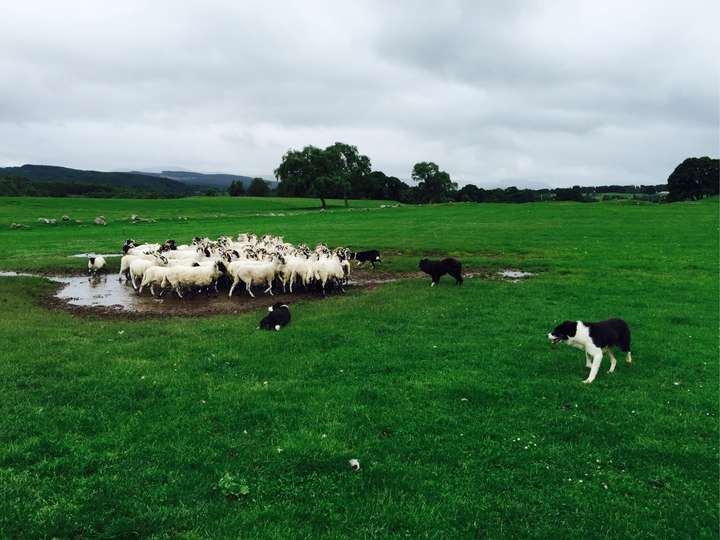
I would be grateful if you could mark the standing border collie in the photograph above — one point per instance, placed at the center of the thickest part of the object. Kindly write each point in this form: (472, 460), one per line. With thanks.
(594, 338)
(278, 317)
(437, 269)
(372, 256)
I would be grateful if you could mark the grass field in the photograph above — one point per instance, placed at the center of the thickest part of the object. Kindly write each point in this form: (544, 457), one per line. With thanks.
(467, 423)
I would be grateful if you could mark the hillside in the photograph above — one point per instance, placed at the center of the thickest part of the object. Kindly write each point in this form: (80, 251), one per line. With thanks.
(206, 180)
(129, 181)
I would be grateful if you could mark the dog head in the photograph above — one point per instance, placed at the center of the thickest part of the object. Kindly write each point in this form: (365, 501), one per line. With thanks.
(563, 332)
(278, 305)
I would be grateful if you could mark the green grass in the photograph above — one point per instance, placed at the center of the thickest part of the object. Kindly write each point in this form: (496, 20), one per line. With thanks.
(467, 423)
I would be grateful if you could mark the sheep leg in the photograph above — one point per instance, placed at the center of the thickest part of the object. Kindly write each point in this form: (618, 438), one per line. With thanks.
(248, 289)
(177, 290)
(232, 287)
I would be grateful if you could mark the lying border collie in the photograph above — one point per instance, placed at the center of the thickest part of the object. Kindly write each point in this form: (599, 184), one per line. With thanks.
(372, 256)
(437, 269)
(278, 317)
(594, 338)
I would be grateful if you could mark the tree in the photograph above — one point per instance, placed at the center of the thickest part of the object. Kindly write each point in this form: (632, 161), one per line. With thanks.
(236, 189)
(258, 188)
(344, 165)
(297, 170)
(570, 194)
(394, 188)
(694, 178)
(322, 173)
(434, 185)
(470, 193)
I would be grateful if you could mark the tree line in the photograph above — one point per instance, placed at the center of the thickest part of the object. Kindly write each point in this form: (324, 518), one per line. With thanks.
(341, 172)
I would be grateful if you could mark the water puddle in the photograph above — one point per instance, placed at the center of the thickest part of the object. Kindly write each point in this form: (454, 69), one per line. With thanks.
(514, 274)
(17, 274)
(91, 254)
(105, 294)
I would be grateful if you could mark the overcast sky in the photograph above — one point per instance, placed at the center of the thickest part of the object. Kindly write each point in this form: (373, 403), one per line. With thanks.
(547, 92)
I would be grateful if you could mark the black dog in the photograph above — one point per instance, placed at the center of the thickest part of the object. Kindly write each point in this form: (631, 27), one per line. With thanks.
(372, 256)
(278, 317)
(437, 269)
(594, 338)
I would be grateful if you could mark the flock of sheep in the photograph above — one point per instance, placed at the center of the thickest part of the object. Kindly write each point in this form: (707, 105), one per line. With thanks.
(204, 264)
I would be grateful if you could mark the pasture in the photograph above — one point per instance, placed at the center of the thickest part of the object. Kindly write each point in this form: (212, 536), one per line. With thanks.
(467, 423)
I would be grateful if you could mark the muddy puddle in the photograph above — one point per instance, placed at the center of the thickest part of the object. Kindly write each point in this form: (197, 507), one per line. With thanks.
(92, 254)
(105, 295)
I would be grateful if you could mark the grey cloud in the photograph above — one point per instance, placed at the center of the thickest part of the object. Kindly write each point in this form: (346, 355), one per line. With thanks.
(559, 93)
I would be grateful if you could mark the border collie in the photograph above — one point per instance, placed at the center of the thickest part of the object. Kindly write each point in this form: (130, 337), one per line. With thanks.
(594, 338)
(372, 256)
(437, 269)
(278, 317)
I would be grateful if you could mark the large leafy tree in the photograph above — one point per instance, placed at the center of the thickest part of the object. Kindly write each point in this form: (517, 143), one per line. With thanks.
(694, 178)
(325, 173)
(433, 184)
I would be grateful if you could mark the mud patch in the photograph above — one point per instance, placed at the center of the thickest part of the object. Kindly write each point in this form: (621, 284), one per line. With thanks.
(105, 296)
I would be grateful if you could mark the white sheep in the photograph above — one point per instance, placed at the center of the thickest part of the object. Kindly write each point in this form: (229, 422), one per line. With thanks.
(138, 267)
(253, 273)
(127, 259)
(95, 264)
(155, 275)
(194, 276)
(328, 268)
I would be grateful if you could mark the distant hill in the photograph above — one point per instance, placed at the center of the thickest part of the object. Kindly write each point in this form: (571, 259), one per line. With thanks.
(127, 181)
(206, 180)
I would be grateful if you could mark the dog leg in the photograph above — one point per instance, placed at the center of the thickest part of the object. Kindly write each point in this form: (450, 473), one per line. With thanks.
(628, 358)
(588, 360)
(613, 361)
(597, 359)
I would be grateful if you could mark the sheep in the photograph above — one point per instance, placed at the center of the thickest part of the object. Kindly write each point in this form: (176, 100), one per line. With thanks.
(295, 265)
(246, 258)
(326, 269)
(95, 264)
(155, 275)
(142, 248)
(254, 272)
(194, 276)
(139, 266)
(127, 259)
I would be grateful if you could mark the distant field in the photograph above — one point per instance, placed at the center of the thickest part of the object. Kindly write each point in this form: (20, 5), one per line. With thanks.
(467, 423)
